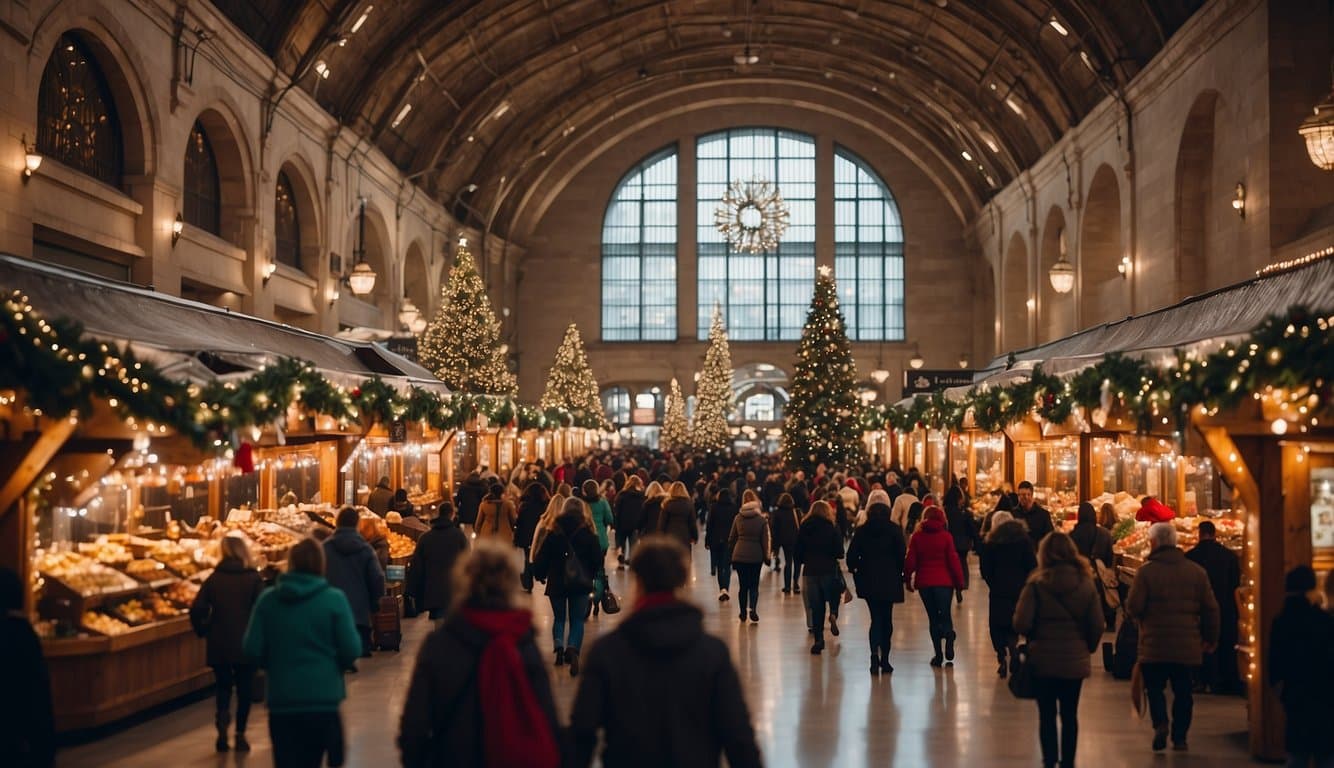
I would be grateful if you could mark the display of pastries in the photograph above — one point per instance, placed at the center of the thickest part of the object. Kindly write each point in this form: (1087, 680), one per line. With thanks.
(103, 624)
(289, 517)
(182, 593)
(146, 569)
(133, 611)
(107, 552)
(83, 575)
(400, 545)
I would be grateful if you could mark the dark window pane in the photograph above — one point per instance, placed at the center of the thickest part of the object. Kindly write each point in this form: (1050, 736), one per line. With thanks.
(202, 203)
(286, 224)
(76, 116)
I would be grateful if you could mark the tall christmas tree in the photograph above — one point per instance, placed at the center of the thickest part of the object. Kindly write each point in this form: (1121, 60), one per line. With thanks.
(461, 345)
(570, 382)
(713, 392)
(675, 431)
(821, 420)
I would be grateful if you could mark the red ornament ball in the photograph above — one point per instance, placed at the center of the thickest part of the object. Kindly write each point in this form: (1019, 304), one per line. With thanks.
(356, 391)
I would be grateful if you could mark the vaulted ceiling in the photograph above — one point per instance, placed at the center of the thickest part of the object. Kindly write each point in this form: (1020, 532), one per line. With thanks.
(497, 88)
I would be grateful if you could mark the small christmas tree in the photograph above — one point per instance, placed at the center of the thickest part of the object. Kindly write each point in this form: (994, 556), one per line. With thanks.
(461, 345)
(821, 423)
(675, 431)
(713, 392)
(570, 382)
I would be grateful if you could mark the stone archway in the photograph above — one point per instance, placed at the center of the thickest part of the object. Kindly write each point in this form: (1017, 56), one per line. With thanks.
(1195, 213)
(1015, 296)
(1102, 283)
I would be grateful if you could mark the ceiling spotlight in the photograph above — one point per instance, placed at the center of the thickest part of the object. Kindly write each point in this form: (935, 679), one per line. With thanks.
(829, 74)
(643, 72)
(402, 115)
(963, 360)
(834, 39)
(1088, 62)
(727, 31)
(966, 155)
(322, 69)
(470, 188)
(1058, 26)
(356, 25)
(746, 58)
(1013, 104)
(470, 138)
(501, 110)
(991, 143)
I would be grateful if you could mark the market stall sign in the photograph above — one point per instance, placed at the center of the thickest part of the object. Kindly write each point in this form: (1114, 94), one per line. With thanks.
(644, 416)
(925, 382)
(405, 346)
(398, 431)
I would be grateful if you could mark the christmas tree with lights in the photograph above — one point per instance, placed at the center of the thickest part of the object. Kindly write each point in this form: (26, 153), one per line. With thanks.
(570, 382)
(461, 345)
(675, 431)
(713, 392)
(821, 422)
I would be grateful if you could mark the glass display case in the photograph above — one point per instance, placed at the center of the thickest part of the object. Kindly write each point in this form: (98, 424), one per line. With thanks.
(1052, 466)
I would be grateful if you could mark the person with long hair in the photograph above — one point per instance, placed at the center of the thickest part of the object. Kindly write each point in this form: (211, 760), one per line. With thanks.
(220, 614)
(784, 523)
(567, 562)
(933, 570)
(1007, 560)
(749, 544)
(875, 560)
(678, 516)
(717, 528)
(654, 497)
(599, 509)
(629, 515)
(1060, 613)
(480, 694)
(819, 548)
(547, 523)
(963, 528)
(532, 504)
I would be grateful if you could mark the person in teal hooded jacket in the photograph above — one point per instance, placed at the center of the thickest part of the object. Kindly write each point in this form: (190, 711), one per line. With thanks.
(302, 634)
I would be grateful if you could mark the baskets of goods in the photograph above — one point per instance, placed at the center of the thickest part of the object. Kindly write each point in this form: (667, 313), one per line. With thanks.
(106, 552)
(290, 517)
(82, 575)
(400, 546)
(182, 593)
(146, 569)
(161, 607)
(133, 611)
(271, 540)
(103, 624)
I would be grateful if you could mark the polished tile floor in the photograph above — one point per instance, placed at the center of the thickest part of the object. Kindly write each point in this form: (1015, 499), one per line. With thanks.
(808, 711)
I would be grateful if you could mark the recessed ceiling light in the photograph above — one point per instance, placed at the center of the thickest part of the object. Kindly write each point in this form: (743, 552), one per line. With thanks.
(501, 110)
(990, 142)
(727, 31)
(356, 25)
(828, 74)
(892, 75)
(993, 85)
(470, 138)
(834, 39)
(471, 188)
(967, 155)
(991, 181)
(1013, 104)
(1058, 26)
(322, 69)
(1088, 61)
(402, 115)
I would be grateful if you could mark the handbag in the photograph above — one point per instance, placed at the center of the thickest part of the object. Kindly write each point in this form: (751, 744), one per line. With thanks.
(1022, 683)
(611, 604)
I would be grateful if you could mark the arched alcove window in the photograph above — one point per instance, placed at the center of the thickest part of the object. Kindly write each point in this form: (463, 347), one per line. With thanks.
(868, 251)
(76, 115)
(616, 404)
(764, 296)
(286, 224)
(639, 254)
(202, 203)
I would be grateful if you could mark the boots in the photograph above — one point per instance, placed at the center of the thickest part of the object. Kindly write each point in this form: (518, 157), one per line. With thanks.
(1002, 667)
(572, 659)
(884, 661)
(241, 744)
(938, 657)
(222, 720)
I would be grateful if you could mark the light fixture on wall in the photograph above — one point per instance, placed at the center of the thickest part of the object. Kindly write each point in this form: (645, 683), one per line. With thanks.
(408, 313)
(963, 360)
(1124, 266)
(31, 160)
(916, 361)
(1239, 199)
(1062, 273)
(177, 227)
(362, 278)
(1031, 303)
(268, 271)
(1318, 131)
(333, 295)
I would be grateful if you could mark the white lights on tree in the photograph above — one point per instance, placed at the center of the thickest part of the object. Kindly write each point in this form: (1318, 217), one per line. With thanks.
(570, 382)
(713, 391)
(752, 216)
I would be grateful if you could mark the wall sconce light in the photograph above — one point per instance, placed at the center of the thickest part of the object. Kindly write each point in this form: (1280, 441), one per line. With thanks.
(31, 160)
(1239, 200)
(1032, 303)
(333, 295)
(1124, 266)
(177, 227)
(268, 271)
(963, 361)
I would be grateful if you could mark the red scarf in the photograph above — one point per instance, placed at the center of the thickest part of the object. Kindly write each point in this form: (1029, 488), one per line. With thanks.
(516, 731)
(655, 599)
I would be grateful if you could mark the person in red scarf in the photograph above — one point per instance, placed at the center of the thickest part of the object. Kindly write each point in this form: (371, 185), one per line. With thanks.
(480, 694)
(662, 690)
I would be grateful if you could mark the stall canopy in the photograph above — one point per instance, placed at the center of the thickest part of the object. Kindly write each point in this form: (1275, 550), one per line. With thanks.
(192, 341)
(1212, 317)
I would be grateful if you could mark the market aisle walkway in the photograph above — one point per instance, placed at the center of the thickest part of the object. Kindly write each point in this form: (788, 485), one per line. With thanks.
(809, 711)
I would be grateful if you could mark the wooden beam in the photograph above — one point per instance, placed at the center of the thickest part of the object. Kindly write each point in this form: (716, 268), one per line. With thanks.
(37, 453)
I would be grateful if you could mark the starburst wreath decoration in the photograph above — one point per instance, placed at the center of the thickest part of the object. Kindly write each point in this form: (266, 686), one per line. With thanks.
(752, 216)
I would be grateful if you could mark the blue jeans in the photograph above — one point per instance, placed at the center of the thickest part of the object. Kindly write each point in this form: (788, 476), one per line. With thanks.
(936, 600)
(722, 564)
(573, 608)
(821, 593)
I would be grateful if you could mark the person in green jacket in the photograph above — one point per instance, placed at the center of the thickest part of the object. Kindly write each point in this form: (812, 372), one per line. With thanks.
(600, 509)
(302, 634)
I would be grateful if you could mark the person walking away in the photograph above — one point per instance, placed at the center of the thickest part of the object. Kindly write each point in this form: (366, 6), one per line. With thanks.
(352, 567)
(932, 569)
(27, 721)
(479, 693)
(600, 510)
(1301, 669)
(750, 547)
(678, 516)
(566, 563)
(1178, 619)
(1031, 514)
(1007, 560)
(532, 504)
(964, 530)
(629, 515)
(819, 548)
(1092, 540)
(660, 689)
(1107, 516)
(875, 560)
(303, 635)
(651, 519)
(899, 511)
(1219, 672)
(496, 516)
(381, 499)
(376, 533)
(428, 580)
(784, 524)
(717, 529)
(468, 498)
(220, 614)
(1060, 613)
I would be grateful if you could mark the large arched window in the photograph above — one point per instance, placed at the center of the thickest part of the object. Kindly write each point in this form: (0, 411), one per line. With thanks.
(286, 225)
(202, 205)
(76, 116)
(764, 296)
(868, 251)
(639, 254)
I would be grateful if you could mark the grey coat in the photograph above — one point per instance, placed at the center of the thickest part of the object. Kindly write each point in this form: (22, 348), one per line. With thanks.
(749, 539)
(1060, 613)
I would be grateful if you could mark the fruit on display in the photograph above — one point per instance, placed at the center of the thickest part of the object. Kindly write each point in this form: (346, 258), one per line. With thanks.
(81, 574)
(289, 517)
(106, 552)
(133, 611)
(400, 545)
(161, 608)
(182, 593)
(103, 624)
(146, 569)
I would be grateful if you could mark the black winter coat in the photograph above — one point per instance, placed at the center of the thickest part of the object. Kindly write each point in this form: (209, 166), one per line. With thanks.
(441, 723)
(1007, 559)
(351, 565)
(1224, 569)
(772, 489)
(875, 559)
(963, 528)
(665, 694)
(678, 520)
(27, 724)
(468, 499)
(784, 522)
(221, 611)
(1094, 542)
(429, 583)
(570, 534)
(530, 511)
(1038, 521)
(629, 510)
(819, 547)
(1301, 665)
(719, 523)
(652, 513)
(801, 498)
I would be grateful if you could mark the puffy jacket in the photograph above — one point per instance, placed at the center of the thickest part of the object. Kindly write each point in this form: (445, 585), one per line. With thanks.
(748, 541)
(629, 512)
(601, 511)
(437, 550)
(569, 535)
(1175, 607)
(932, 560)
(1007, 560)
(819, 547)
(530, 511)
(875, 559)
(222, 608)
(303, 635)
(351, 566)
(1061, 614)
(1152, 510)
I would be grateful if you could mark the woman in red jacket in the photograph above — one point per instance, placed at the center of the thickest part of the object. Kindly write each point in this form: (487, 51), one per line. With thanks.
(934, 571)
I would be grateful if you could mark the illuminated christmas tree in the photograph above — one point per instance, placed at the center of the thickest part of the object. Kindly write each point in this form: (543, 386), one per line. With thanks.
(821, 422)
(675, 431)
(713, 392)
(570, 382)
(461, 345)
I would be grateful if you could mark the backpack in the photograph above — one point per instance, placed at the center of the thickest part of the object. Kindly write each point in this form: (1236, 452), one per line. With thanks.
(576, 576)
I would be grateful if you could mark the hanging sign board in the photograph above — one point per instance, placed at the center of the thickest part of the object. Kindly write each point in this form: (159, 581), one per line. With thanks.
(925, 382)
(403, 345)
(398, 431)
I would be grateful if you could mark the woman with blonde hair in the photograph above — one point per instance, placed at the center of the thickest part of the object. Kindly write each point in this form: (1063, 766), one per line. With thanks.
(220, 614)
(1061, 614)
(629, 514)
(567, 561)
(654, 497)
(678, 516)
(818, 549)
(480, 694)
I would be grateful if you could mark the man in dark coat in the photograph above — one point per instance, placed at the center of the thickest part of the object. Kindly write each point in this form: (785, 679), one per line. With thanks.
(1301, 667)
(661, 689)
(428, 582)
(1007, 560)
(875, 559)
(381, 499)
(468, 498)
(1031, 514)
(1092, 540)
(27, 725)
(1219, 672)
(352, 566)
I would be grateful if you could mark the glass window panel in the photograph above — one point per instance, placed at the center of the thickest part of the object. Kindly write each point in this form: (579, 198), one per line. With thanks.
(867, 224)
(638, 254)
